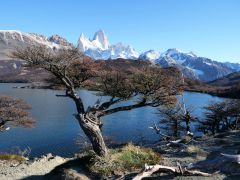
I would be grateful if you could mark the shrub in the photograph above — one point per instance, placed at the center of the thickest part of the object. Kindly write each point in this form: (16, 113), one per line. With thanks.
(127, 158)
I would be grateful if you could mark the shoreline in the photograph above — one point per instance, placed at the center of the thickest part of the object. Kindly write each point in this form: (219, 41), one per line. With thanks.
(202, 154)
(52, 87)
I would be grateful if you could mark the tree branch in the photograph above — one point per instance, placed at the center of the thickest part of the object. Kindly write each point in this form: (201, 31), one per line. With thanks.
(107, 104)
(149, 170)
(126, 108)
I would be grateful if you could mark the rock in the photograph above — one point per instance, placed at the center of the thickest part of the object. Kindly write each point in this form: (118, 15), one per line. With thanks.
(71, 174)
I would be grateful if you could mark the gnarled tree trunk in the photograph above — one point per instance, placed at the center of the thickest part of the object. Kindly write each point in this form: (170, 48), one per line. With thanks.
(90, 125)
(93, 132)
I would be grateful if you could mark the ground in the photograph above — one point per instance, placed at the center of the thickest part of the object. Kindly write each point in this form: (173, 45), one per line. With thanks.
(10, 170)
(204, 154)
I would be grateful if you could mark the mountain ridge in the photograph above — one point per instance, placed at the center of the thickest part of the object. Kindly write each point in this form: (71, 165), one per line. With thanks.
(192, 66)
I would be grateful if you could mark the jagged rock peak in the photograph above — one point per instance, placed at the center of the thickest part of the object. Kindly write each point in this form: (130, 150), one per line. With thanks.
(59, 40)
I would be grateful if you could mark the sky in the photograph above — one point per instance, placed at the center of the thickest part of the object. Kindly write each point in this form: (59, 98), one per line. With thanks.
(209, 28)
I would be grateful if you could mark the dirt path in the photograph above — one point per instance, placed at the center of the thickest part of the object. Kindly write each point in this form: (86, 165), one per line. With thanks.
(40, 166)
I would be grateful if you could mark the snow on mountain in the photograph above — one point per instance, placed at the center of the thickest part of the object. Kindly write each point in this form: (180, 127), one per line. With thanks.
(150, 55)
(100, 40)
(202, 68)
(13, 38)
(191, 65)
(99, 48)
(84, 43)
(60, 41)
(178, 55)
(166, 61)
(235, 66)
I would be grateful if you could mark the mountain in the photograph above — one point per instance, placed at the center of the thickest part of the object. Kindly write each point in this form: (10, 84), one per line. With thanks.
(227, 86)
(229, 80)
(12, 70)
(193, 66)
(100, 48)
(167, 61)
(150, 55)
(12, 39)
(235, 66)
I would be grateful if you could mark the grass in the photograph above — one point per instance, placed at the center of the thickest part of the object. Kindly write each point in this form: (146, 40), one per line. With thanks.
(124, 159)
(194, 150)
(11, 157)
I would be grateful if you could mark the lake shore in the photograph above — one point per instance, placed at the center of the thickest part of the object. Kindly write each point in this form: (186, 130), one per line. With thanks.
(203, 154)
(218, 91)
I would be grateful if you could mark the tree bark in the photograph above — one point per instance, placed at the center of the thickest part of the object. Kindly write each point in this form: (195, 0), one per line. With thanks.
(90, 125)
(92, 130)
(179, 170)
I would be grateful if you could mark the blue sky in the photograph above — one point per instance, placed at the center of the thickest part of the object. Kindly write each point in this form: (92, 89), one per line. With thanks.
(209, 28)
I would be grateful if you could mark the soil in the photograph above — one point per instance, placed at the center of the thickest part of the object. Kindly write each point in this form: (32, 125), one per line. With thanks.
(206, 157)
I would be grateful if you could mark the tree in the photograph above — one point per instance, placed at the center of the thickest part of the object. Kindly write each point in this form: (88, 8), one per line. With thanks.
(176, 119)
(221, 116)
(13, 112)
(151, 86)
(171, 120)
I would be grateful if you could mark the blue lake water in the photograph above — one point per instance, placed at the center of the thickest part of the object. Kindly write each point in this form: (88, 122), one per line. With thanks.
(57, 131)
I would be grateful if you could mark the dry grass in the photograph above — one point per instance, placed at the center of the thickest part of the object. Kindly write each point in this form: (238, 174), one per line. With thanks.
(194, 150)
(12, 157)
(128, 158)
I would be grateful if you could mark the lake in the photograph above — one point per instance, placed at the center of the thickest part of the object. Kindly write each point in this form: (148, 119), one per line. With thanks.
(57, 131)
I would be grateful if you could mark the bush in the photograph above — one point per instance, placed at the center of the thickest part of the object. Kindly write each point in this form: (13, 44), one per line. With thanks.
(127, 158)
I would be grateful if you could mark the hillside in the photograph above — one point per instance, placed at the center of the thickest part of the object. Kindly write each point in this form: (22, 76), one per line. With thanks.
(15, 70)
(230, 80)
(227, 86)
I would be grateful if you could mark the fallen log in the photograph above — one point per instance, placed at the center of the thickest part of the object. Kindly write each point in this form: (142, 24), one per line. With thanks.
(179, 170)
(232, 158)
(177, 143)
(216, 163)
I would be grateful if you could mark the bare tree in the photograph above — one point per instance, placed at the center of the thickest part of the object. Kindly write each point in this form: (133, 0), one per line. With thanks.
(221, 116)
(170, 120)
(176, 119)
(149, 86)
(13, 112)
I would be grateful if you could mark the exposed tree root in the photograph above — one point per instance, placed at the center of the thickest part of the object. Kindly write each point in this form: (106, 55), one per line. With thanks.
(178, 170)
(232, 158)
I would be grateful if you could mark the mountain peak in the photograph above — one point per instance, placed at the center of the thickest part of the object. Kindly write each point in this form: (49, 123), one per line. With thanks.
(173, 51)
(82, 35)
(100, 32)
(59, 40)
(100, 39)
(99, 48)
(191, 53)
(150, 55)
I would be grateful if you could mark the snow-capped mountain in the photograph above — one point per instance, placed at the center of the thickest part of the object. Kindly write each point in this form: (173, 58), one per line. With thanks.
(235, 66)
(193, 66)
(99, 48)
(11, 39)
(150, 55)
